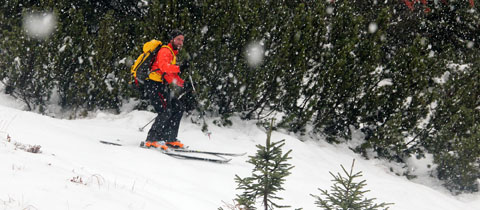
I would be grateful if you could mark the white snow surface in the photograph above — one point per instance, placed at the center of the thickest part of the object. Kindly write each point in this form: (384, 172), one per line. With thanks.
(75, 171)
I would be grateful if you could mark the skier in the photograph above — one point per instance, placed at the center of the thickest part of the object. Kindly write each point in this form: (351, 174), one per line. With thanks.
(164, 88)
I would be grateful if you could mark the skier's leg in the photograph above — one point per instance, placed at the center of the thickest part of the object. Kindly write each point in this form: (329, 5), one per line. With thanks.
(156, 94)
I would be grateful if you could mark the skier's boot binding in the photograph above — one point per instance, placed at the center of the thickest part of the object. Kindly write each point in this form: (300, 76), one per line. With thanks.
(174, 144)
(156, 144)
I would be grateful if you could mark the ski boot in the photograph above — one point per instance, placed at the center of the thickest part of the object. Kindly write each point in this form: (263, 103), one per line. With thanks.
(156, 144)
(175, 144)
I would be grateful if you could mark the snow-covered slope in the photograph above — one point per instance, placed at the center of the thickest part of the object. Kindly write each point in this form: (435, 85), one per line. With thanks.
(75, 171)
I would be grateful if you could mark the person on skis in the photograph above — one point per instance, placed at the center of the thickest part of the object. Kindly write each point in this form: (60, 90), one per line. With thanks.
(164, 88)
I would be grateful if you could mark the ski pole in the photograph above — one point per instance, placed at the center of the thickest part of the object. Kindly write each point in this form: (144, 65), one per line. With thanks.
(202, 110)
(191, 81)
(141, 129)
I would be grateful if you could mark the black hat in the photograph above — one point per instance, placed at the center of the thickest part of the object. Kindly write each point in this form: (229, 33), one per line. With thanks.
(174, 33)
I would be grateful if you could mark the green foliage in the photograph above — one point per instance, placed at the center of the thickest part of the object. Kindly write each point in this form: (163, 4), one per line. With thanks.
(28, 66)
(455, 144)
(456, 169)
(400, 109)
(105, 71)
(347, 194)
(270, 169)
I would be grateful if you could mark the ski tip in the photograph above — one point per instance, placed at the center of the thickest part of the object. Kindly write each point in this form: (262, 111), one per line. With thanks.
(110, 143)
(188, 157)
(221, 161)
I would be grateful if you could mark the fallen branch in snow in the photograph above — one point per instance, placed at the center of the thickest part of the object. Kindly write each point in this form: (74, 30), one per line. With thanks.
(78, 180)
(28, 148)
(25, 147)
(95, 178)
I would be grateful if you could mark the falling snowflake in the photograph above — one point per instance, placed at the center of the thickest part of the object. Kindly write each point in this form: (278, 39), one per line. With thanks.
(372, 27)
(255, 54)
(39, 25)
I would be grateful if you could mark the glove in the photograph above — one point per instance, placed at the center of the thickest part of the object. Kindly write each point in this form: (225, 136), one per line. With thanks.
(176, 91)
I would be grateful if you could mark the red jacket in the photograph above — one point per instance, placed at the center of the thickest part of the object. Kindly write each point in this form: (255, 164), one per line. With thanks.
(165, 65)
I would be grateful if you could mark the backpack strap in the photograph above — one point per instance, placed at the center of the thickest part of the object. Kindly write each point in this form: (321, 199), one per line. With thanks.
(174, 61)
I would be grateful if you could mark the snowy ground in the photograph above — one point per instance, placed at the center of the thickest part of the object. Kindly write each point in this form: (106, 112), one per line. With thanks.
(75, 171)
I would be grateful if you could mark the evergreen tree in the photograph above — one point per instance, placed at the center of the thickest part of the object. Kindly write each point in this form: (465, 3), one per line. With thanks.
(401, 101)
(27, 61)
(268, 175)
(347, 194)
(74, 50)
(451, 25)
(104, 68)
(455, 120)
(342, 74)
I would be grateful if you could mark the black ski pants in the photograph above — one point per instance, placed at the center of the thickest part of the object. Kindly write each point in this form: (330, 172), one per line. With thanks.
(169, 109)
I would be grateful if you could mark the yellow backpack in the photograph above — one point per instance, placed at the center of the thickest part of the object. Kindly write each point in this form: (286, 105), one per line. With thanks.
(140, 70)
